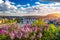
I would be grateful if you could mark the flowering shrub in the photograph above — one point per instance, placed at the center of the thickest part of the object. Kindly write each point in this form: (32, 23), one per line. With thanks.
(14, 32)
(22, 33)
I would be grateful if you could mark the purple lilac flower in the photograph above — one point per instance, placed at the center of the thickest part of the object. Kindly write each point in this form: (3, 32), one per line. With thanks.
(19, 35)
(12, 35)
(26, 29)
(1, 32)
(28, 25)
(35, 28)
(5, 32)
(41, 29)
(39, 35)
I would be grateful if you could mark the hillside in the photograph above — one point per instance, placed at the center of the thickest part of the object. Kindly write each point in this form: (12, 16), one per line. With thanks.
(55, 14)
(51, 16)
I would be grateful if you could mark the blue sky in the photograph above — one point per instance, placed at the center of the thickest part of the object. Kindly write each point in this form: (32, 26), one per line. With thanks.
(24, 2)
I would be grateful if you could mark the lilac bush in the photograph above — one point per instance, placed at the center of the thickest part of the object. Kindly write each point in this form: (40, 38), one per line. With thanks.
(27, 32)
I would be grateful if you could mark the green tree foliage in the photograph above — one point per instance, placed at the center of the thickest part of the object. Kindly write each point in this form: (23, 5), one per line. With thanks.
(4, 37)
(50, 34)
(39, 23)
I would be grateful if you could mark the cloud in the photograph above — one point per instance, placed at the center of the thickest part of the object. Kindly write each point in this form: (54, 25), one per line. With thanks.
(37, 3)
(44, 9)
(7, 5)
(22, 8)
(18, 6)
(28, 5)
(1, 1)
(3, 7)
(12, 3)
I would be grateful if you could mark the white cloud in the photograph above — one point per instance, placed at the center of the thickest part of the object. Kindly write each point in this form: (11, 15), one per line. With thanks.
(50, 8)
(37, 3)
(44, 9)
(7, 6)
(22, 8)
(21, 5)
(28, 5)
(18, 5)
(12, 3)
(7, 3)
(1, 1)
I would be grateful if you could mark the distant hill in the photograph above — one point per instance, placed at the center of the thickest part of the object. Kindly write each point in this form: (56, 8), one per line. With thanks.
(54, 14)
(51, 16)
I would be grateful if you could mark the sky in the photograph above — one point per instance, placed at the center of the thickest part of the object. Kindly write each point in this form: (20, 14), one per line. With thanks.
(24, 2)
(29, 6)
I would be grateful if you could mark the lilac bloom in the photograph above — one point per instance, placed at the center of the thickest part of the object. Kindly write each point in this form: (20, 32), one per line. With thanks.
(15, 32)
(35, 28)
(40, 35)
(12, 35)
(19, 35)
(26, 29)
(1, 32)
(27, 25)
(5, 32)
(41, 29)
